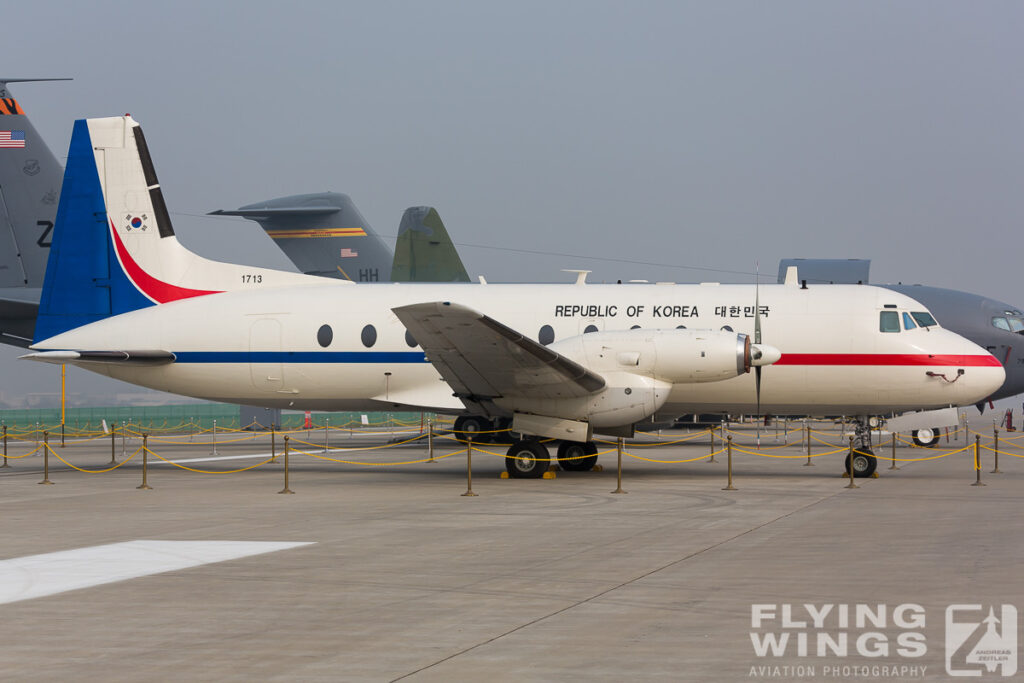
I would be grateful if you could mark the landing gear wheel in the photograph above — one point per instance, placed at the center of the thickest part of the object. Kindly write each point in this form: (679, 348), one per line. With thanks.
(929, 438)
(503, 431)
(574, 456)
(864, 463)
(473, 428)
(527, 459)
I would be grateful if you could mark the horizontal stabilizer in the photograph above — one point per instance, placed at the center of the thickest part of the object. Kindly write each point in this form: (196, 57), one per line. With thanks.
(134, 357)
(274, 211)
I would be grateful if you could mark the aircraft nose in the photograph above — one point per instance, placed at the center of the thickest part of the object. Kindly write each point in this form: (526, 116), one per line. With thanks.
(984, 380)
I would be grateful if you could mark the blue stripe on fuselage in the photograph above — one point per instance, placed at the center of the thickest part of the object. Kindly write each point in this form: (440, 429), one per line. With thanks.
(300, 357)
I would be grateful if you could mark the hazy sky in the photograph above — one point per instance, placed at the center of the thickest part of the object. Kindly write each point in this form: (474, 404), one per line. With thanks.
(654, 137)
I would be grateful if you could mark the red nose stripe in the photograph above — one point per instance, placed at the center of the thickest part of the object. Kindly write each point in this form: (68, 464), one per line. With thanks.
(889, 359)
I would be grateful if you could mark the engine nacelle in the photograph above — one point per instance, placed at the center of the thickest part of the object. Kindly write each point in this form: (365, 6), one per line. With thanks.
(674, 356)
(626, 398)
(639, 368)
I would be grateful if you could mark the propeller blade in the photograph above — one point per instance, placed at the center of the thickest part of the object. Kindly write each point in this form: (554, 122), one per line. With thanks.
(757, 389)
(757, 307)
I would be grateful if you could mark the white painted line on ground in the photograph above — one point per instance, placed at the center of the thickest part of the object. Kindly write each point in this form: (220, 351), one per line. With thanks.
(35, 576)
(218, 457)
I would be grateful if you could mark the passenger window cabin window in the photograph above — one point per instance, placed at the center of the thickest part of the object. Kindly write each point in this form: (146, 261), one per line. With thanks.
(1000, 323)
(546, 335)
(924, 319)
(368, 336)
(908, 322)
(889, 321)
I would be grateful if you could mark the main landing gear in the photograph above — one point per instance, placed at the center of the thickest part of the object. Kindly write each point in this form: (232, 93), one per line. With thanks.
(929, 438)
(529, 459)
(864, 460)
(479, 429)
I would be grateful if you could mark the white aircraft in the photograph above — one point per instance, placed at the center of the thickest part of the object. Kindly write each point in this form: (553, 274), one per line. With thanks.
(123, 298)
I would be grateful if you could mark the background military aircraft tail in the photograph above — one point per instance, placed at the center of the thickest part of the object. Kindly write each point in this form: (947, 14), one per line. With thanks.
(325, 234)
(30, 180)
(424, 252)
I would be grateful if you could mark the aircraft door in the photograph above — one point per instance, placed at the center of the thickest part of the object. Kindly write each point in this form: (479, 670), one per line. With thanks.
(265, 364)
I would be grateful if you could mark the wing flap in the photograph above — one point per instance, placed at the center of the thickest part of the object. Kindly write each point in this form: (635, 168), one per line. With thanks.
(482, 359)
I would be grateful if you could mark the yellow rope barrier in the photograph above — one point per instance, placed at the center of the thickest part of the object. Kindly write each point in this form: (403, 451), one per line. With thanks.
(193, 469)
(18, 457)
(378, 464)
(703, 456)
(108, 469)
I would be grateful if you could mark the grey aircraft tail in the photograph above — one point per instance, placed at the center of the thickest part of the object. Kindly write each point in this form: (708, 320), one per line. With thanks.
(30, 181)
(424, 252)
(323, 234)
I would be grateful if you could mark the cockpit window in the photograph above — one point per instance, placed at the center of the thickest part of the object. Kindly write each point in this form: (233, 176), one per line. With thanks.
(924, 319)
(908, 322)
(1011, 323)
(889, 321)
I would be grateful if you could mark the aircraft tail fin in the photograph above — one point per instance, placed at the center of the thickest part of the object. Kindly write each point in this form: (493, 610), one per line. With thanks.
(424, 252)
(30, 177)
(84, 281)
(114, 248)
(323, 234)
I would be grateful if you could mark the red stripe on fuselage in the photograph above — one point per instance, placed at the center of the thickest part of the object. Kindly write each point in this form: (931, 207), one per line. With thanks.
(159, 291)
(888, 359)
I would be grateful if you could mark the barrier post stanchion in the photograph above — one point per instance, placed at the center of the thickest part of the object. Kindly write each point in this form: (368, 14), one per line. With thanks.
(273, 443)
(286, 489)
(327, 434)
(977, 460)
(807, 430)
(145, 463)
(123, 431)
(430, 440)
(113, 442)
(995, 449)
(618, 481)
(5, 448)
(893, 465)
(729, 487)
(711, 458)
(469, 468)
(214, 437)
(62, 434)
(46, 459)
(849, 467)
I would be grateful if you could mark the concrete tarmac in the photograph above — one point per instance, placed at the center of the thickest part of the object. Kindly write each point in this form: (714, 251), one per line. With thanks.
(531, 580)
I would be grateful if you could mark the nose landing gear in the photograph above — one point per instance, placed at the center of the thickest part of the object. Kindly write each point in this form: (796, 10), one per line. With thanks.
(864, 461)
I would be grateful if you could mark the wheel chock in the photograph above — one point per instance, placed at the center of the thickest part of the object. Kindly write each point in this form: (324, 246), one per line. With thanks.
(598, 468)
(503, 475)
(874, 475)
(550, 474)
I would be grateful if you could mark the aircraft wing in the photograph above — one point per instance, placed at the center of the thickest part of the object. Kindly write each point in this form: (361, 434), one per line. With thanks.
(481, 359)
